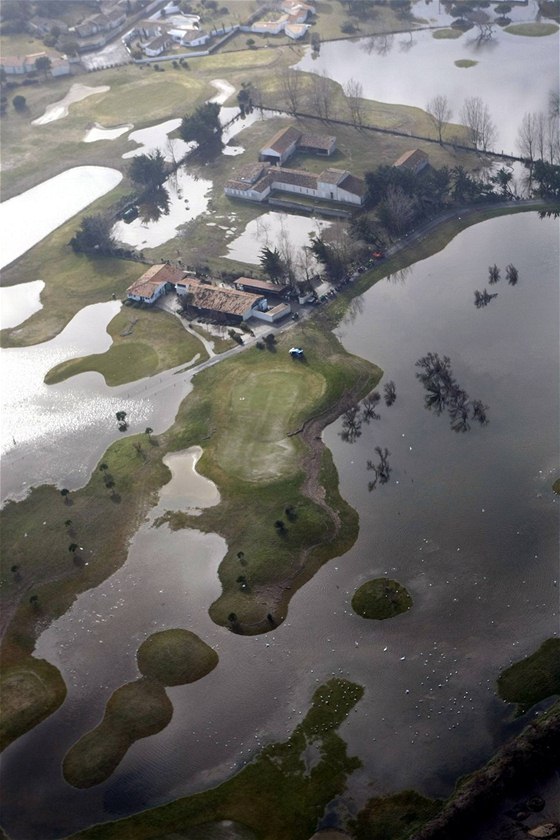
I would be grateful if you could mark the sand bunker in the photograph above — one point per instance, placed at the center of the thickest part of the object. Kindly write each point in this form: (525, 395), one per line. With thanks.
(59, 109)
(99, 132)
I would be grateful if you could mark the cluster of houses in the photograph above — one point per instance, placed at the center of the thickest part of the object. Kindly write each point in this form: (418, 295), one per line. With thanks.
(256, 181)
(290, 20)
(157, 35)
(19, 65)
(223, 304)
(170, 28)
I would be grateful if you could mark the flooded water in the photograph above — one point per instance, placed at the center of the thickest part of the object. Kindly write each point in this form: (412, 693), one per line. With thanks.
(425, 67)
(53, 419)
(156, 137)
(59, 109)
(28, 217)
(188, 197)
(18, 303)
(468, 523)
(273, 230)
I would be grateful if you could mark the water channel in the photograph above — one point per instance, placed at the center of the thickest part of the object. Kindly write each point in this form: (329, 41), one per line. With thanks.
(468, 523)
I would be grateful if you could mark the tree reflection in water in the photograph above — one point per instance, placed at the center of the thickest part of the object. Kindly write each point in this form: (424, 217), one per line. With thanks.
(444, 393)
(153, 205)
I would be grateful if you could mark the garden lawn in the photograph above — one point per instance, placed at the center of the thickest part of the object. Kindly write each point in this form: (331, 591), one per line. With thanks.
(145, 341)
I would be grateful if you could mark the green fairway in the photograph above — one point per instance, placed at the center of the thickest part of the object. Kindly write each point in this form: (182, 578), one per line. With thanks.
(536, 29)
(263, 406)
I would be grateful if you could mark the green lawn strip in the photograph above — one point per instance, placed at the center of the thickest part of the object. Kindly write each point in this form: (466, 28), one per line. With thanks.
(396, 816)
(30, 692)
(533, 679)
(465, 62)
(153, 341)
(175, 657)
(277, 795)
(381, 598)
(447, 33)
(133, 711)
(535, 30)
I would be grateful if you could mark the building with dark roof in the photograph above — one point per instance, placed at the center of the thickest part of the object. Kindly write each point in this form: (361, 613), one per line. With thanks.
(414, 160)
(288, 140)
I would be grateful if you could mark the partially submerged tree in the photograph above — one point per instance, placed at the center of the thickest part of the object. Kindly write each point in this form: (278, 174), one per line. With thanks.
(149, 171)
(203, 127)
(476, 116)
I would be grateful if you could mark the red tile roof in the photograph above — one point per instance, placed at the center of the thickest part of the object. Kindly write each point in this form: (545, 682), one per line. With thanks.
(154, 278)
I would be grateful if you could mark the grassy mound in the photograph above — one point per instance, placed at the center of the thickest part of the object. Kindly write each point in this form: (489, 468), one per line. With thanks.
(394, 816)
(277, 796)
(532, 679)
(447, 33)
(175, 657)
(465, 62)
(533, 30)
(134, 711)
(30, 692)
(381, 598)
(556, 486)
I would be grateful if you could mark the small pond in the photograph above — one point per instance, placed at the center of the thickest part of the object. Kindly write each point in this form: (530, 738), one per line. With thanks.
(18, 303)
(187, 197)
(273, 230)
(28, 217)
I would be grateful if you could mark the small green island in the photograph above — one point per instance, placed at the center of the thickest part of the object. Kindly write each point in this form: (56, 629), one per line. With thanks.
(533, 679)
(381, 598)
(175, 657)
(139, 708)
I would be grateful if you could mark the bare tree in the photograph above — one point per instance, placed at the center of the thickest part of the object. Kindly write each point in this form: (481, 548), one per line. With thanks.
(553, 140)
(291, 88)
(483, 23)
(476, 116)
(526, 140)
(554, 103)
(439, 111)
(354, 92)
(321, 95)
(398, 210)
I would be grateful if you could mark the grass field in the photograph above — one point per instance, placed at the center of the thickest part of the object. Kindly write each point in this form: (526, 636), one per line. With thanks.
(275, 796)
(175, 657)
(535, 30)
(30, 693)
(145, 341)
(133, 711)
(533, 679)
